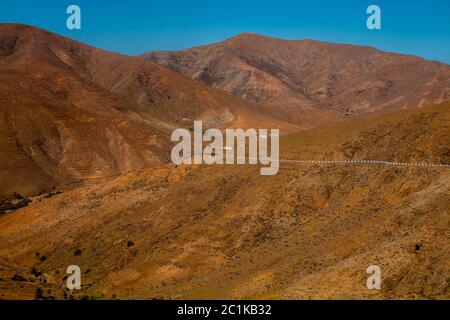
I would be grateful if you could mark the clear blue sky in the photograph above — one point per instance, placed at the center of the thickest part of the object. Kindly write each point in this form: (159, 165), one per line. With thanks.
(136, 26)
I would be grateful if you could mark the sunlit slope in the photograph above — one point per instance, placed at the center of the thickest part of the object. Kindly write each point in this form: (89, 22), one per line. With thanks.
(312, 82)
(226, 232)
(72, 113)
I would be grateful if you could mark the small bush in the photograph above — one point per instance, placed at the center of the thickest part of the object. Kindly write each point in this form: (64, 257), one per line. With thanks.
(35, 272)
(16, 195)
(52, 194)
(22, 203)
(18, 277)
(7, 205)
(39, 294)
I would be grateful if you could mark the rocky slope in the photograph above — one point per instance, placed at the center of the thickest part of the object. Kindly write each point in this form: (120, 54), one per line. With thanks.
(311, 82)
(226, 232)
(70, 112)
(96, 125)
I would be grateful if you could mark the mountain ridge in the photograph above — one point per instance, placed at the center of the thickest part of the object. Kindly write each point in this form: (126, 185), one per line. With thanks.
(295, 77)
(71, 112)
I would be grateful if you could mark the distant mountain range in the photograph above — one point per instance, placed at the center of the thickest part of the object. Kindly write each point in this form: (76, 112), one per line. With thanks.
(310, 82)
(72, 112)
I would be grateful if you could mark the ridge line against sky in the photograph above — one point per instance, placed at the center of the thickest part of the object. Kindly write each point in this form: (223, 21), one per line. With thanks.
(136, 26)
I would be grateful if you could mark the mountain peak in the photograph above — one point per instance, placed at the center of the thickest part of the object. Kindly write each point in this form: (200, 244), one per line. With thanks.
(251, 35)
(295, 78)
(18, 29)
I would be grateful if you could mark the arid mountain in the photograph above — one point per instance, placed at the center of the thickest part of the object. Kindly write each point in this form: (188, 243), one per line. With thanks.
(96, 125)
(310, 82)
(226, 232)
(70, 112)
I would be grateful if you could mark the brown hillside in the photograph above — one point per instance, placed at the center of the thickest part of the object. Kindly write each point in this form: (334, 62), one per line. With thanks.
(226, 232)
(311, 82)
(70, 112)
